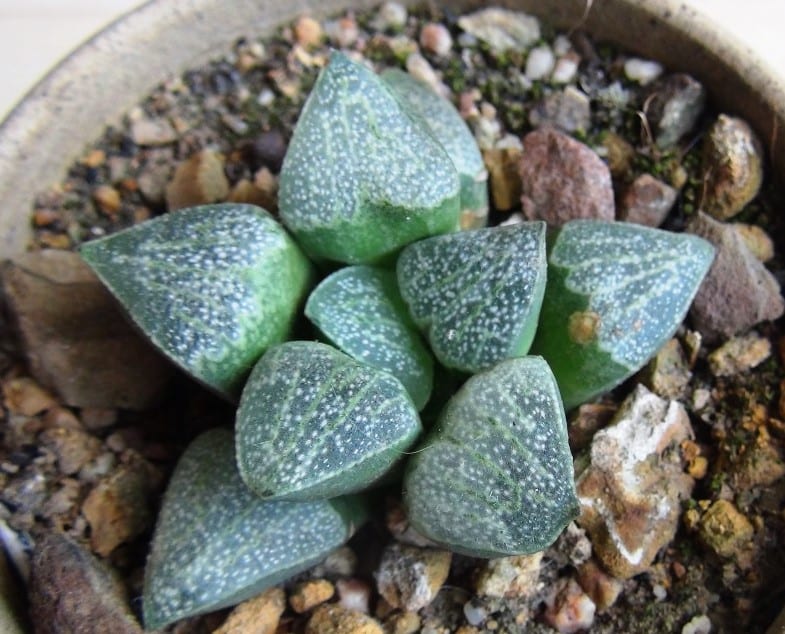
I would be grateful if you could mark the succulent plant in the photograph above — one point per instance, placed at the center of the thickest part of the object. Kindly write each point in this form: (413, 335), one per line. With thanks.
(367, 179)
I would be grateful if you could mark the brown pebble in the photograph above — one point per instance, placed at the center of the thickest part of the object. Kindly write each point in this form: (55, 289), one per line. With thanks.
(403, 623)
(757, 240)
(24, 396)
(409, 577)
(267, 149)
(61, 417)
(436, 39)
(725, 530)
(50, 240)
(308, 32)
(309, 594)
(71, 591)
(599, 585)
(94, 158)
(244, 191)
(504, 177)
(200, 180)
(45, 217)
(108, 199)
(118, 508)
(334, 619)
(739, 354)
(73, 448)
(678, 569)
(259, 615)
(95, 418)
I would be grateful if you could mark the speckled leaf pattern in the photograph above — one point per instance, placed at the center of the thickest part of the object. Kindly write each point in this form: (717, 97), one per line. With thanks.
(314, 423)
(361, 178)
(495, 478)
(217, 544)
(451, 131)
(616, 293)
(478, 293)
(212, 286)
(360, 310)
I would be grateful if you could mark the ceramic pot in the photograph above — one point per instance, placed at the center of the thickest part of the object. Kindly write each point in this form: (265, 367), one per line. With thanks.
(93, 87)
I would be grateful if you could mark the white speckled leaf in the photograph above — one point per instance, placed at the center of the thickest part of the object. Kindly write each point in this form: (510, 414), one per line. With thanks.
(212, 287)
(314, 423)
(477, 294)
(495, 478)
(451, 131)
(616, 293)
(217, 544)
(360, 310)
(361, 178)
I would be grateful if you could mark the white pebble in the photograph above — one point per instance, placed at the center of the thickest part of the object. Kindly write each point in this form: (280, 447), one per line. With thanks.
(697, 625)
(660, 593)
(266, 97)
(540, 62)
(435, 37)
(391, 15)
(561, 45)
(643, 71)
(475, 613)
(512, 219)
(565, 70)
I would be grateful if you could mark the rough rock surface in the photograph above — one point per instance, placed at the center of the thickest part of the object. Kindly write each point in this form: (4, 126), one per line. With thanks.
(501, 29)
(672, 105)
(602, 589)
(726, 530)
(308, 594)
(563, 179)
(259, 615)
(668, 373)
(568, 109)
(75, 339)
(631, 492)
(647, 201)
(516, 576)
(732, 165)
(409, 577)
(333, 619)
(72, 591)
(738, 291)
(739, 354)
(569, 609)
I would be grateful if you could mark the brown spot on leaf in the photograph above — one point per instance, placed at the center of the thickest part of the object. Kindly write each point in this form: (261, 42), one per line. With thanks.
(583, 326)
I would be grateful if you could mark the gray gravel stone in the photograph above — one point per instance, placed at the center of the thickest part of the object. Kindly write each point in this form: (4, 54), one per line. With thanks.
(672, 105)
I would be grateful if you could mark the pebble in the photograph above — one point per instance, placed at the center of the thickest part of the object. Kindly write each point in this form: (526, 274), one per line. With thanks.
(738, 291)
(568, 109)
(540, 62)
(23, 395)
(398, 524)
(61, 417)
(342, 562)
(517, 576)
(72, 447)
(568, 608)
(246, 192)
(74, 337)
(563, 179)
(155, 175)
(700, 624)
(118, 508)
(307, 31)
(502, 29)
(631, 492)
(732, 167)
(504, 176)
(619, 154)
(152, 132)
(108, 199)
(344, 31)
(602, 589)
(725, 530)
(391, 15)
(761, 464)
(647, 201)
(259, 615)
(267, 149)
(475, 612)
(436, 39)
(403, 623)
(308, 594)
(566, 69)
(739, 354)
(334, 619)
(354, 594)
(96, 418)
(409, 577)
(199, 180)
(420, 68)
(561, 45)
(667, 374)
(642, 71)
(72, 591)
(756, 239)
(673, 104)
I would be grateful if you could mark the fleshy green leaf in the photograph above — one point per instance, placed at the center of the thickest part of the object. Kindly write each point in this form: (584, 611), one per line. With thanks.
(476, 293)
(496, 476)
(212, 287)
(451, 131)
(217, 544)
(361, 178)
(616, 293)
(314, 423)
(360, 310)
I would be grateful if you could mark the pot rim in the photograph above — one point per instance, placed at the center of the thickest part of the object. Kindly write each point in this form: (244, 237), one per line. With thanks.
(38, 141)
